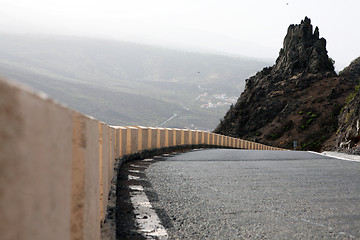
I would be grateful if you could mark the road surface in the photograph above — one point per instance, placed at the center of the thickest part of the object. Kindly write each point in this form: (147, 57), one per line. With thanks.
(241, 194)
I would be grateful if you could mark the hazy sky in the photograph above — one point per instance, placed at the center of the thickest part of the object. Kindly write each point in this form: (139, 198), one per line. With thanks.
(253, 28)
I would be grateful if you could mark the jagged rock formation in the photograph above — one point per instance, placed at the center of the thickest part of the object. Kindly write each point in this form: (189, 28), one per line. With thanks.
(348, 134)
(303, 51)
(298, 98)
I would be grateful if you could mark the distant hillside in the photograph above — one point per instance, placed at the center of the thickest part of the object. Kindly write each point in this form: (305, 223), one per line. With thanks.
(297, 99)
(124, 83)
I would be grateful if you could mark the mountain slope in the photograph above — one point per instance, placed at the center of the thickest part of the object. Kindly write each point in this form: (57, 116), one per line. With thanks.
(297, 99)
(118, 82)
(348, 133)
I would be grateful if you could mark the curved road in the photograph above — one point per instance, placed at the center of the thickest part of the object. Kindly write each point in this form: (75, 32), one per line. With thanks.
(243, 194)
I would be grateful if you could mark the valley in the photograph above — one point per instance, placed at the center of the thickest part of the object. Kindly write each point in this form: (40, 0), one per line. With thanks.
(124, 83)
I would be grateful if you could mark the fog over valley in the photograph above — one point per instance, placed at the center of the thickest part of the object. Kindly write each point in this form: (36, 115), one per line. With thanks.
(123, 83)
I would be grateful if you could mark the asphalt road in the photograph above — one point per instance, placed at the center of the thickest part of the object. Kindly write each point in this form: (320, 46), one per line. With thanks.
(244, 194)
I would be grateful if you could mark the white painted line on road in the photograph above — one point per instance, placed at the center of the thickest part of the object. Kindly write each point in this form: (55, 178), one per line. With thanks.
(148, 160)
(148, 221)
(131, 177)
(132, 165)
(334, 155)
(133, 171)
(136, 187)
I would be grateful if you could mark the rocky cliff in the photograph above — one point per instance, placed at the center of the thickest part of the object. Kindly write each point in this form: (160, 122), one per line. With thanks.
(297, 99)
(348, 134)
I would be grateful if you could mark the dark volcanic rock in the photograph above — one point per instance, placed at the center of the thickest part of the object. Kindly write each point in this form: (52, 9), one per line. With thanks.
(298, 98)
(352, 71)
(348, 134)
(349, 124)
(303, 51)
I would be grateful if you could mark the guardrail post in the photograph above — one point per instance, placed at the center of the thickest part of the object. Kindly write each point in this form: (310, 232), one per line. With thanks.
(152, 142)
(169, 137)
(117, 141)
(143, 137)
(186, 137)
(178, 137)
(193, 137)
(160, 138)
(122, 141)
(132, 140)
(205, 138)
(216, 139)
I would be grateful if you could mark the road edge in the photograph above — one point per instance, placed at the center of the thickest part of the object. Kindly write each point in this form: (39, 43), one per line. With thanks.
(339, 155)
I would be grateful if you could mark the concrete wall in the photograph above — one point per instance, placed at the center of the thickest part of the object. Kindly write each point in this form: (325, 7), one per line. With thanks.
(56, 165)
(177, 138)
(143, 138)
(132, 142)
(152, 138)
(169, 137)
(160, 138)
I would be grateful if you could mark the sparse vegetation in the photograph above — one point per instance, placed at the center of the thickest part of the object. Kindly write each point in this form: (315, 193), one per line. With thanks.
(278, 132)
(313, 145)
(320, 100)
(352, 95)
(307, 119)
(348, 115)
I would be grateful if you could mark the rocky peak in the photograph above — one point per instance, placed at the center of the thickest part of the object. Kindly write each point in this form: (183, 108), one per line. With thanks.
(299, 98)
(303, 51)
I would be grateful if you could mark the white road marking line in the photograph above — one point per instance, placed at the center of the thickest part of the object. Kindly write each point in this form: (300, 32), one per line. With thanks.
(337, 157)
(132, 165)
(136, 187)
(148, 160)
(131, 177)
(148, 221)
(133, 171)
